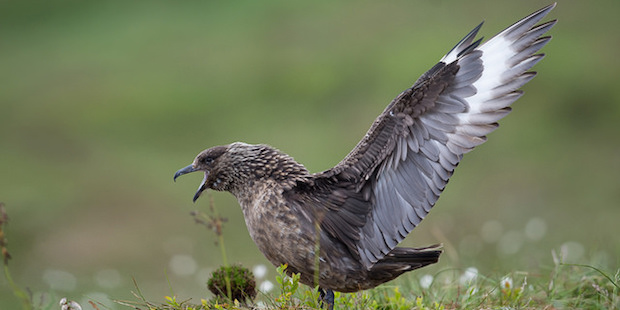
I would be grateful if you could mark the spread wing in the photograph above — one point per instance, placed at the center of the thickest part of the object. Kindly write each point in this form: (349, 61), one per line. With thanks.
(394, 176)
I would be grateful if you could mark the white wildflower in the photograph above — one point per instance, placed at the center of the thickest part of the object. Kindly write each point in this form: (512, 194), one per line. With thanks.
(468, 276)
(506, 283)
(69, 305)
(260, 271)
(266, 286)
(426, 281)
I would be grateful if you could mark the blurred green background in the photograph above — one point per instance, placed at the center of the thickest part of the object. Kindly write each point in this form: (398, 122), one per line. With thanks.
(101, 102)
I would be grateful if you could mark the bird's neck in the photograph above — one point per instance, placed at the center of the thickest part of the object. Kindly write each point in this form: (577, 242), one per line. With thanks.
(266, 169)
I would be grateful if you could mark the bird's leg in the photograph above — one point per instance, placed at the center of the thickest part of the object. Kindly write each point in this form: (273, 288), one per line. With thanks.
(326, 298)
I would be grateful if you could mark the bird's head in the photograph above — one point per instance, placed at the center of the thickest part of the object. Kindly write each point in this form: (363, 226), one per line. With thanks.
(212, 162)
(236, 166)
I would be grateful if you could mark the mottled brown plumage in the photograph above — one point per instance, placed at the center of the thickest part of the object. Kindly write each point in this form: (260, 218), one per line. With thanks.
(364, 206)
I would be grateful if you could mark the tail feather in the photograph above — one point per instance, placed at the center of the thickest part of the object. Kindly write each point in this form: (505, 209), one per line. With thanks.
(401, 260)
(413, 257)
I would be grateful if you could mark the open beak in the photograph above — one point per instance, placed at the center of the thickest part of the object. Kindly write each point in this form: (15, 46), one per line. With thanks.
(190, 169)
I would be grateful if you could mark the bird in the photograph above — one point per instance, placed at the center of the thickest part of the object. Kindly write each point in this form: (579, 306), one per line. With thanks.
(340, 228)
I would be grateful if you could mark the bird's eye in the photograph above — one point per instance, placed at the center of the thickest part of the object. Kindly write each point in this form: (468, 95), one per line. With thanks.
(207, 160)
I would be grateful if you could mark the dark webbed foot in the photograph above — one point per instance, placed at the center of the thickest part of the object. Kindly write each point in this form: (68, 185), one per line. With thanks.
(326, 298)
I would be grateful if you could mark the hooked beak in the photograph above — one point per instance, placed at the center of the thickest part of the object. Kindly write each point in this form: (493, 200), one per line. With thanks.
(183, 171)
(190, 169)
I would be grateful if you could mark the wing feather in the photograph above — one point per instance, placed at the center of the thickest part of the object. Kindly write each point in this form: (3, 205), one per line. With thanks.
(394, 176)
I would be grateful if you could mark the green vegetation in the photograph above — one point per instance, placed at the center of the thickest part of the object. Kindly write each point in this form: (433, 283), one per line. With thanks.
(233, 282)
(102, 101)
(565, 286)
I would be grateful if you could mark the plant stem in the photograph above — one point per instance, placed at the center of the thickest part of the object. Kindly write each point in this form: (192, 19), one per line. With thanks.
(18, 292)
(218, 225)
(225, 261)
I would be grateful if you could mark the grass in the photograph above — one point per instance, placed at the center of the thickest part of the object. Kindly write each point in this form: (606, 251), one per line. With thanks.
(563, 286)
